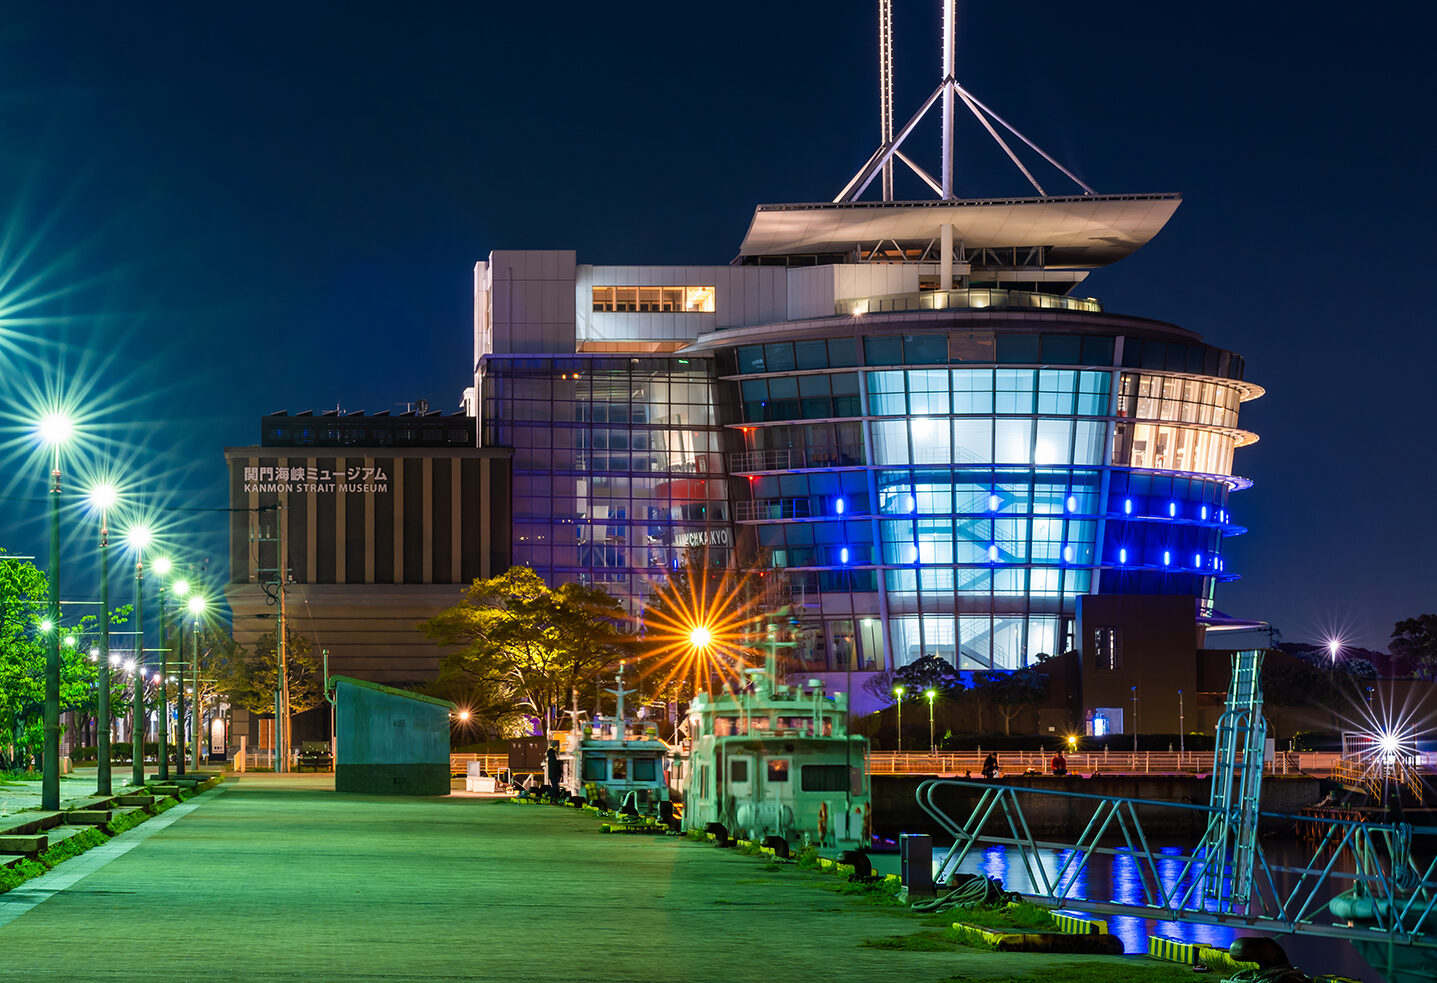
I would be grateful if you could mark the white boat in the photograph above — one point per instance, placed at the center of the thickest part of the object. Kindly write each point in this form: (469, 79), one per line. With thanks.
(775, 764)
(617, 763)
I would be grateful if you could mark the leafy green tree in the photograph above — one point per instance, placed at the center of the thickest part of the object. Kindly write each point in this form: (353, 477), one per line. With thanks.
(1010, 692)
(1415, 639)
(249, 679)
(929, 672)
(528, 642)
(24, 603)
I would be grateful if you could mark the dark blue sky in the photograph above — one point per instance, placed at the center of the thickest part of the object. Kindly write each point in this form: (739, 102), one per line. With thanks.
(280, 206)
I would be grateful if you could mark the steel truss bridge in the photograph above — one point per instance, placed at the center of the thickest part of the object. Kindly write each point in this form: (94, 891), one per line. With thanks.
(1227, 878)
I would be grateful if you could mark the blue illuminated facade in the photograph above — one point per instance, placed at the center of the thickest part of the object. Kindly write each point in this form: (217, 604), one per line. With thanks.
(949, 483)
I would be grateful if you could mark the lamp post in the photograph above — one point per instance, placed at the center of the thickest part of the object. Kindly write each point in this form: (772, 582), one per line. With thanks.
(932, 741)
(162, 567)
(182, 590)
(54, 429)
(139, 537)
(102, 497)
(197, 608)
(898, 692)
(1181, 734)
(1135, 720)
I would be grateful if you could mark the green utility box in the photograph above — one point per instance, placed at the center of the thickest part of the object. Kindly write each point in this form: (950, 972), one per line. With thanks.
(390, 742)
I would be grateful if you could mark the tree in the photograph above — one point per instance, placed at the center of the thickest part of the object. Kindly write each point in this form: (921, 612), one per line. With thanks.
(1010, 692)
(249, 679)
(929, 672)
(1415, 639)
(24, 603)
(532, 642)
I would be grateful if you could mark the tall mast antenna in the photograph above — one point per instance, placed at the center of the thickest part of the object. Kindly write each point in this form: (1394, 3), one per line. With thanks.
(885, 88)
(951, 92)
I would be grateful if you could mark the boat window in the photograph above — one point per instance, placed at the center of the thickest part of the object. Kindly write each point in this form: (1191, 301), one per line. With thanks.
(738, 771)
(824, 778)
(778, 769)
(594, 770)
(621, 768)
(645, 770)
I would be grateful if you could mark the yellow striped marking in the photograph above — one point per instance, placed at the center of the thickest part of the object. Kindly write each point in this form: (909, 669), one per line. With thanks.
(1173, 950)
(1079, 924)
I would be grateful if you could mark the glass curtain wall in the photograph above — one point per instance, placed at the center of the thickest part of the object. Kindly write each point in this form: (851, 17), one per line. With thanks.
(617, 466)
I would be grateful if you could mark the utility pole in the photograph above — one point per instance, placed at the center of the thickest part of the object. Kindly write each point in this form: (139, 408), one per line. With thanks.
(281, 644)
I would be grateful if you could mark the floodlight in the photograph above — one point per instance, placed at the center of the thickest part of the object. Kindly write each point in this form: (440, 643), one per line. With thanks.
(55, 428)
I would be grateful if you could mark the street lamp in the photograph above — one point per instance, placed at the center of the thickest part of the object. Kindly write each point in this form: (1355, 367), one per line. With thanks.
(932, 742)
(54, 430)
(898, 692)
(139, 537)
(181, 588)
(197, 608)
(102, 497)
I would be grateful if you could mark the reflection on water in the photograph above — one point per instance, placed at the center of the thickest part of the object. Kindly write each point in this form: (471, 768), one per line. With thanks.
(1118, 878)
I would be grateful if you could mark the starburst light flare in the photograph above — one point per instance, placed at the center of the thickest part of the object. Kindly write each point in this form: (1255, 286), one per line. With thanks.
(703, 623)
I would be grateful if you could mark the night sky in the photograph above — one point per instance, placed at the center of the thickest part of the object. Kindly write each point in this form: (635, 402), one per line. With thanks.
(211, 212)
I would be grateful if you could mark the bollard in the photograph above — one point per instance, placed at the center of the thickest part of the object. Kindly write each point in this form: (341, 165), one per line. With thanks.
(915, 856)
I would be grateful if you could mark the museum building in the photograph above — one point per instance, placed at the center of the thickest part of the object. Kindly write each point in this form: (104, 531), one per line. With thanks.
(907, 406)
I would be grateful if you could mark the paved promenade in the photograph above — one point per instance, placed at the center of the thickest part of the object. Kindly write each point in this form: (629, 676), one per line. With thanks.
(279, 878)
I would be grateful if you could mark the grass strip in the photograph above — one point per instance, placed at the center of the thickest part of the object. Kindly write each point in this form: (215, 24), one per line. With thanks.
(1093, 972)
(73, 846)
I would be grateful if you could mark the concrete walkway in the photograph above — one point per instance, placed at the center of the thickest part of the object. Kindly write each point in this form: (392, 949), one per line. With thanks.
(279, 878)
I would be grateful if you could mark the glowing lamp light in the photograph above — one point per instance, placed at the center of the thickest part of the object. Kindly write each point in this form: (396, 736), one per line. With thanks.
(129, 665)
(1204, 512)
(1167, 557)
(843, 555)
(1072, 503)
(1197, 559)
(993, 553)
(55, 428)
(139, 536)
(46, 624)
(994, 503)
(1388, 743)
(911, 503)
(1123, 555)
(1127, 506)
(197, 605)
(463, 714)
(838, 506)
(930, 693)
(1333, 647)
(162, 565)
(103, 496)
(69, 641)
(1173, 509)
(700, 637)
(898, 691)
(114, 659)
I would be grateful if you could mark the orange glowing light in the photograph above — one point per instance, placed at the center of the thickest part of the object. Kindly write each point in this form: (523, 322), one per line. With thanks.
(700, 624)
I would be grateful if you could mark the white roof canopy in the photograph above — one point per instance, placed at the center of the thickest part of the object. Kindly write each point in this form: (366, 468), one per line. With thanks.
(1081, 231)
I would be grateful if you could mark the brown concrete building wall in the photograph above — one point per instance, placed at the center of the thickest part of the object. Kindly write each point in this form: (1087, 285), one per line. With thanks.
(1156, 651)
(368, 557)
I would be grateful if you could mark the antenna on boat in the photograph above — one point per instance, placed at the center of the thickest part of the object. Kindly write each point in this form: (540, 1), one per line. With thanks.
(619, 696)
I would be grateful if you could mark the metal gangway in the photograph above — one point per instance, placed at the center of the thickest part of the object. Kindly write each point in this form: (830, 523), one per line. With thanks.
(1227, 878)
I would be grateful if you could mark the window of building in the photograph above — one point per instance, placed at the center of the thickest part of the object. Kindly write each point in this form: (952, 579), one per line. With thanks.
(1107, 648)
(654, 300)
